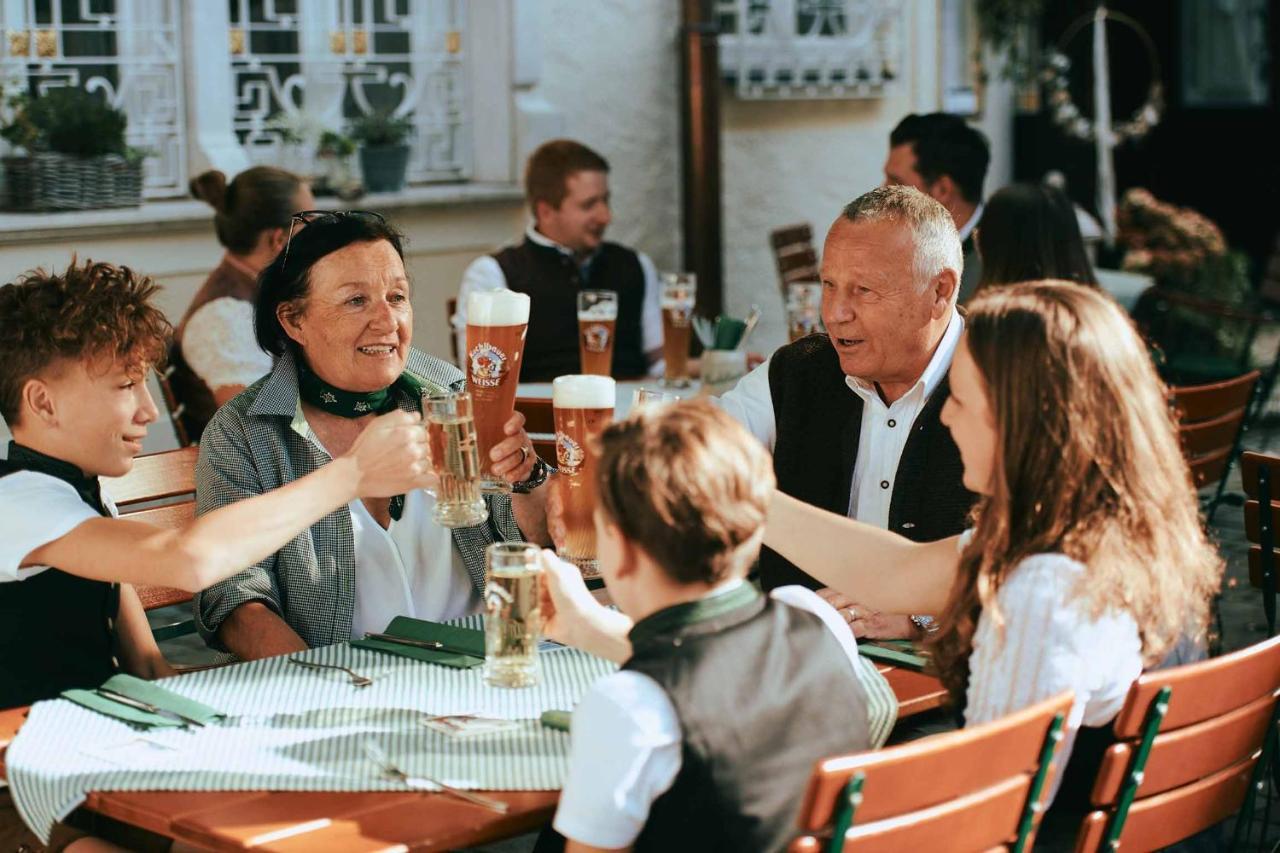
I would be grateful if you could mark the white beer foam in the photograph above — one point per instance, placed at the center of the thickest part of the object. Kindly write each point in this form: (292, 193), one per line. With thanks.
(600, 311)
(583, 392)
(677, 302)
(497, 308)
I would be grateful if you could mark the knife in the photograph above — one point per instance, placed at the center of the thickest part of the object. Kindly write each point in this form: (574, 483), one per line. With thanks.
(433, 645)
(108, 693)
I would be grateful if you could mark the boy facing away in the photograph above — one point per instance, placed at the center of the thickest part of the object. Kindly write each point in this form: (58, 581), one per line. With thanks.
(706, 736)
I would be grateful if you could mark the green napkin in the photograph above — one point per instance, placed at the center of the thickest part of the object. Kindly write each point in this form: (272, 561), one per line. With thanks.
(728, 332)
(419, 629)
(896, 656)
(558, 720)
(145, 691)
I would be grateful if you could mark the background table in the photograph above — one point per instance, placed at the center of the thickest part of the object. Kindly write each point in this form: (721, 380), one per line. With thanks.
(309, 821)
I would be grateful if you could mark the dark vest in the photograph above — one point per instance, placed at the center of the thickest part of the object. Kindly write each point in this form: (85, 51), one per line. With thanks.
(190, 390)
(58, 630)
(552, 279)
(762, 692)
(819, 423)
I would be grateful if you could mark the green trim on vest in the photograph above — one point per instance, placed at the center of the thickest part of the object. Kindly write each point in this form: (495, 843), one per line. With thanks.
(689, 613)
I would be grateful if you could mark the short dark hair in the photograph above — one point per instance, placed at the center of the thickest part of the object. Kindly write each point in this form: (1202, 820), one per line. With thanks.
(946, 145)
(549, 168)
(288, 277)
(256, 200)
(90, 310)
(690, 486)
(1029, 232)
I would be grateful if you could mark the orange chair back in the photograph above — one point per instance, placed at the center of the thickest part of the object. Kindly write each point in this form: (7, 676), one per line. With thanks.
(1259, 473)
(1209, 423)
(794, 253)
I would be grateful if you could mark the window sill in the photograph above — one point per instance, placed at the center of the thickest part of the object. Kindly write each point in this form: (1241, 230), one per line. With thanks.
(155, 217)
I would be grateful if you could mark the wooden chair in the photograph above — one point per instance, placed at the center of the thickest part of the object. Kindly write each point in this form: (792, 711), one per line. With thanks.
(1192, 744)
(177, 410)
(160, 489)
(1261, 475)
(1211, 424)
(540, 423)
(979, 788)
(794, 253)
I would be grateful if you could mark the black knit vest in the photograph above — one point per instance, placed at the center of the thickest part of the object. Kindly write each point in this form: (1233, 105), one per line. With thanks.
(57, 629)
(762, 691)
(553, 280)
(819, 423)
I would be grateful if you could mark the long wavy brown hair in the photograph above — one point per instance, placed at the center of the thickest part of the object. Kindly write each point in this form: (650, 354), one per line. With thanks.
(1087, 464)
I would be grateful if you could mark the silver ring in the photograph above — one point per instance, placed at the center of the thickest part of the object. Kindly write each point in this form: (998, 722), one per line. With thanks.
(524, 455)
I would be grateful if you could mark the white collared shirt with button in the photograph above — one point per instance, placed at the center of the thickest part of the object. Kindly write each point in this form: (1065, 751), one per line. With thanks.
(884, 432)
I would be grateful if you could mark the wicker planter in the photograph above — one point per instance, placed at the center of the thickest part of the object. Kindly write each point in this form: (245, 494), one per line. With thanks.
(51, 181)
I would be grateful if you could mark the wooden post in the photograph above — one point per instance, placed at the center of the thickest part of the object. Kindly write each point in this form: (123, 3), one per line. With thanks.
(700, 152)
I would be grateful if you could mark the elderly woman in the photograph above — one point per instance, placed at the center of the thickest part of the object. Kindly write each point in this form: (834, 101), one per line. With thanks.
(335, 308)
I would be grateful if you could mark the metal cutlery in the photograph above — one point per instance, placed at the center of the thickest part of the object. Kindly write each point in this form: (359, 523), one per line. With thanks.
(434, 645)
(380, 758)
(356, 678)
(138, 704)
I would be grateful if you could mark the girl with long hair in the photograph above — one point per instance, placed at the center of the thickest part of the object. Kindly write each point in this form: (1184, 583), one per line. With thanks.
(1086, 560)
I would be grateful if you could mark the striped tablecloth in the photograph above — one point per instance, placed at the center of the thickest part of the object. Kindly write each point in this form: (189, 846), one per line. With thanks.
(291, 728)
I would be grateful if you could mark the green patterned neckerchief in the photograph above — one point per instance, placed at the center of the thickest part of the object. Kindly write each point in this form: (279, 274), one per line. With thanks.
(355, 404)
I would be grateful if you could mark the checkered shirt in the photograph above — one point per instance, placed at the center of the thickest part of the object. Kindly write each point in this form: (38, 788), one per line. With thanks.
(250, 448)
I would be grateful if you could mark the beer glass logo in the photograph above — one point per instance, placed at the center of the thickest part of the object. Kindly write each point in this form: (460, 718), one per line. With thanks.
(596, 337)
(488, 365)
(680, 315)
(569, 455)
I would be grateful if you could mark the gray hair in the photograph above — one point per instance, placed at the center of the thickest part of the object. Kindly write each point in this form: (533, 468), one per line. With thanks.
(933, 232)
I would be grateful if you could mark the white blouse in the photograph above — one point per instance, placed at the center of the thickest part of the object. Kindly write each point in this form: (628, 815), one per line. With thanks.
(219, 344)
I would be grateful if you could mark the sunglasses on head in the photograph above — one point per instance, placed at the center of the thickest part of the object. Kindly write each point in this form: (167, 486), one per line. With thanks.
(324, 217)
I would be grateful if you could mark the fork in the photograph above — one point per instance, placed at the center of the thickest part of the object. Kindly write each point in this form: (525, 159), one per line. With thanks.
(356, 678)
(380, 758)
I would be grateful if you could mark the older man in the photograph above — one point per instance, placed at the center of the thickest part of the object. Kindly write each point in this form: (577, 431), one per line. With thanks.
(852, 416)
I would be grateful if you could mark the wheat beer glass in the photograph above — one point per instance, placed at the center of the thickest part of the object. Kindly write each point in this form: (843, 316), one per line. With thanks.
(804, 309)
(497, 321)
(512, 619)
(583, 406)
(597, 323)
(679, 291)
(451, 435)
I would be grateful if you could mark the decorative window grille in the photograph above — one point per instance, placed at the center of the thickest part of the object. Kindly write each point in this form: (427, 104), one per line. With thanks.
(810, 48)
(126, 50)
(303, 66)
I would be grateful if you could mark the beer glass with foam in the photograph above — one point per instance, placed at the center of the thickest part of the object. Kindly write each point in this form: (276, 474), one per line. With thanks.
(679, 292)
(497, 322)
(804, 309)
(583, 406)
(451, 437)
(597, 323)
(512, 614)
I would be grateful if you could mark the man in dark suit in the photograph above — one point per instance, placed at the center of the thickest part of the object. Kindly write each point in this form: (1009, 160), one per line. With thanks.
(946, 159)
(852, 416)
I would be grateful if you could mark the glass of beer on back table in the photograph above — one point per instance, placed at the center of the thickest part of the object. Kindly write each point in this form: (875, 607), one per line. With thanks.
(512, 614)
(497, 322)
(679, 292)
(451, 436)
(583, 407)
(597, 323)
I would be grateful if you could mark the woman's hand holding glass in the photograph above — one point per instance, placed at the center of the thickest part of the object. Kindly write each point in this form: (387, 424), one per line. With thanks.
(513, 457)
(391, 456)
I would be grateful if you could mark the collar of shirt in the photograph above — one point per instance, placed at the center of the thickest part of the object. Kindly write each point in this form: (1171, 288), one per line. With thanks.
(933, 372)
(967, 229)
(543, 240)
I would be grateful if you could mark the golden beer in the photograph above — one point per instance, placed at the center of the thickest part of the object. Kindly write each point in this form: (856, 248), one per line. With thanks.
(804, 310)
(679, 292)
(597, 324)
(451, 438)
(497, 322)
(583, 407)
(512, 614)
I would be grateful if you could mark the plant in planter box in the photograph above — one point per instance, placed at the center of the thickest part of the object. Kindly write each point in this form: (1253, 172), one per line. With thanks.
(384, 150)
(333, 166)
(75, 156)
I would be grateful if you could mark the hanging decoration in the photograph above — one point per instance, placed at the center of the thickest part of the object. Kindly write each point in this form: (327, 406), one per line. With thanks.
(1067, 116)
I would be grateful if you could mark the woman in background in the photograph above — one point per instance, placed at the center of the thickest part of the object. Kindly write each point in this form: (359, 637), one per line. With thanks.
(1029, 232)
(214, 354)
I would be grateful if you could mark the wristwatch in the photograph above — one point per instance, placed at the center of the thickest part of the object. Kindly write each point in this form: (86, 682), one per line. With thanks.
(924, 624)
(536, 478)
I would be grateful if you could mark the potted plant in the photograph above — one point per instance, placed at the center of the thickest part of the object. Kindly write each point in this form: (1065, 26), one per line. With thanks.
(73, 154)
(384, 152)
(333, 166)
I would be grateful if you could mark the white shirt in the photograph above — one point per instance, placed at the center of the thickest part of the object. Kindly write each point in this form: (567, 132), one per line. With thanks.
(412, 568)
(972, 222)
(626, 745)
(219, 344)
(36, 509)
(484, 273)
(1049, 643)
(884, 429)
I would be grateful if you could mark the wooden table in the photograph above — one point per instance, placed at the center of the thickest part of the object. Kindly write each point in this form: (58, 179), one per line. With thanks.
(362, 822)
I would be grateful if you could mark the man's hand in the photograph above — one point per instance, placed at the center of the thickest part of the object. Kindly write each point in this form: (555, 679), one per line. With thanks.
(867, 623)
(571, 615)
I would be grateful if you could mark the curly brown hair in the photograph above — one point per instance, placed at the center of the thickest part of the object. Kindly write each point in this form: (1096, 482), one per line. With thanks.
(91, 310)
